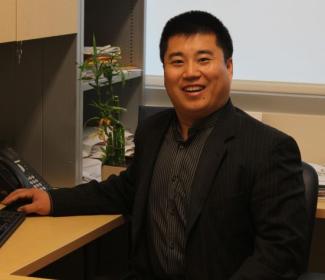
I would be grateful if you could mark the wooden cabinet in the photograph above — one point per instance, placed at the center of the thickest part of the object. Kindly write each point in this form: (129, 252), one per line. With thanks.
(39, 95)
(8, 21)
(33, 19)
(38, 105)
(45, 18)
(43, 105)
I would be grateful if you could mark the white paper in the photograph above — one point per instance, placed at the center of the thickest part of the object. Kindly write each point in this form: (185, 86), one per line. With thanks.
(320, 169)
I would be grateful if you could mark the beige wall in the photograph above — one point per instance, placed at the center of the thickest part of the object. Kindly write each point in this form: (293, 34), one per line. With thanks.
(308, 131)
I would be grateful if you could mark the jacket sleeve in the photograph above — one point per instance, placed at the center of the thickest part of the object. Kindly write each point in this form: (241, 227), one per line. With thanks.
(115, 195)
(112, 196)
(279, 216)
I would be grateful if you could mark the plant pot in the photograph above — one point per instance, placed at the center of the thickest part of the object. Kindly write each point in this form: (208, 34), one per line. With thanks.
(108, 170)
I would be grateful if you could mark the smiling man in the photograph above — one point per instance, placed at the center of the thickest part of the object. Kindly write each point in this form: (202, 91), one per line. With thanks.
(197, 76)
(212, 193)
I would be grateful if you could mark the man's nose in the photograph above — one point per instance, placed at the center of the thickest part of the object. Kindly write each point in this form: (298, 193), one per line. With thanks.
(191, 71)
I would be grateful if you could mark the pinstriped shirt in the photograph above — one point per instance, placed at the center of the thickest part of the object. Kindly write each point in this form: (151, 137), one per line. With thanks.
(169, 196)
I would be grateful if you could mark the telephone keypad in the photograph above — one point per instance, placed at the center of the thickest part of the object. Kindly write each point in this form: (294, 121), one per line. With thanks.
(23, 174)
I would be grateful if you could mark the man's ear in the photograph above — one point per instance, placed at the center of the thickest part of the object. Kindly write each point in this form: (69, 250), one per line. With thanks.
(229, 65)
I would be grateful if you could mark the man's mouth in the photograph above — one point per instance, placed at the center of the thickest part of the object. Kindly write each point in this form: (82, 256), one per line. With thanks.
(193, 89)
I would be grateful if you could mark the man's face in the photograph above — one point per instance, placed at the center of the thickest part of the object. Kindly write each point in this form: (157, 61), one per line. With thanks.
(197, 78)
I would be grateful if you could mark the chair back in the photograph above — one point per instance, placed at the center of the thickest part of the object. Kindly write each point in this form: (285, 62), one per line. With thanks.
(147, 111)
(310, 178)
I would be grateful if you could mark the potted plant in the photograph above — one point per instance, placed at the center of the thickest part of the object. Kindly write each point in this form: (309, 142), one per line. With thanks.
(99, 70)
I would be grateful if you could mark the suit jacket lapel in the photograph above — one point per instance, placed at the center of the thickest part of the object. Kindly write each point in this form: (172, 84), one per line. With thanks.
(210, 160)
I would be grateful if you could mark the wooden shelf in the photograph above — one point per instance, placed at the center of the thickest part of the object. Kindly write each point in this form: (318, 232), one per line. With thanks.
(122, 25)
(129, 75)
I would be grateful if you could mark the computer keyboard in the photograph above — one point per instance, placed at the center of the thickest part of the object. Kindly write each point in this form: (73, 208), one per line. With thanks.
(9, 221)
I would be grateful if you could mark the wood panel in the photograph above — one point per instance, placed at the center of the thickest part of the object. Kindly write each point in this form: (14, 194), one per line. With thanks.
(8, 88)
(45, 18)
(27, 120)
(38, 110)
(40, 241)
(60, 110)
(8, 21)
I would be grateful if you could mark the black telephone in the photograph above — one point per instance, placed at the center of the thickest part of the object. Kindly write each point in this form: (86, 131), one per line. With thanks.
(16, 173)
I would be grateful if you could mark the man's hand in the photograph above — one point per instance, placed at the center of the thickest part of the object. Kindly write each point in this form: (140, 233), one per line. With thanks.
(41, 203)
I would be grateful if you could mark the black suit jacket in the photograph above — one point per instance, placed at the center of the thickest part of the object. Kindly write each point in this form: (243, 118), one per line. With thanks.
(247, 216)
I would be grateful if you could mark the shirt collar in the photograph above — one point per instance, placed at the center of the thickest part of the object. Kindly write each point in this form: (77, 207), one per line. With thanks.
(202, 124)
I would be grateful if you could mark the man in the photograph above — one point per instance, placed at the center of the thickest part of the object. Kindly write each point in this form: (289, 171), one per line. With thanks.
(212, 193)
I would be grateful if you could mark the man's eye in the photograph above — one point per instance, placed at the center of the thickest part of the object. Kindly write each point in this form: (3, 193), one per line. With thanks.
(177, 62)
(204, 59)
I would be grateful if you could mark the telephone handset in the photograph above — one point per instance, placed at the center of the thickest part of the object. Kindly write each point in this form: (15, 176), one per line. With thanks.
(16, 173)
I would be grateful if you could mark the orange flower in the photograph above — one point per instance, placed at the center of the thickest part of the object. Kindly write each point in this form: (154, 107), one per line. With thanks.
(104, 122)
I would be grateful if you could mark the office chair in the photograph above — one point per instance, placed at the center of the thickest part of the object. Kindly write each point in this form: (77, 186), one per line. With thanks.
(147, 111)
(310, 178)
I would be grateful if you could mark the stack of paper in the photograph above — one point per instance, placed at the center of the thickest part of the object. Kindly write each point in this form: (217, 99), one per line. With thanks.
(92, 153)
(92, 144)
(320, 169)
(91, 169)
(104, 50)
(129, 144)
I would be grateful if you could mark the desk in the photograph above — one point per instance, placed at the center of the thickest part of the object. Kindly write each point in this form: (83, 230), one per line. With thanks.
(17, 277)
(40, 241)
(320, 212)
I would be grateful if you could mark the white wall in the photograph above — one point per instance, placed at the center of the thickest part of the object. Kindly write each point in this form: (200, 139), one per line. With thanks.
(279, 40)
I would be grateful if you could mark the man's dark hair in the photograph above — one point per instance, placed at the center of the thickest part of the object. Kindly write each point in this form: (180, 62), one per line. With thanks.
(193, 22)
